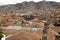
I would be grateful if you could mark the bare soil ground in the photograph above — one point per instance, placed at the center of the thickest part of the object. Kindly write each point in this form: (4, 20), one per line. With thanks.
(23, 35)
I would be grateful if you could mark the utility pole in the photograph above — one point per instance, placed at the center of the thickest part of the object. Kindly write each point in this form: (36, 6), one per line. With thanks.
(44, 37)
(46, 21)
(44, 0)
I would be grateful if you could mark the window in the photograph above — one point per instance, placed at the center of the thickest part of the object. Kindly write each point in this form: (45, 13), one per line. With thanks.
(57, 23)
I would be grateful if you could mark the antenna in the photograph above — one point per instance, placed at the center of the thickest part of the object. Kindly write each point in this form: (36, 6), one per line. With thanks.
(44, 0)
(32, 0)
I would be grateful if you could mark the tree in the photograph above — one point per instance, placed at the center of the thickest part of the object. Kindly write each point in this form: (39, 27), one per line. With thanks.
(1, 34)
(28, 17)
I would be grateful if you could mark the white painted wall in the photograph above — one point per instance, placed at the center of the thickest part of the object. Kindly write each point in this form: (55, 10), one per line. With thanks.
(4, 37)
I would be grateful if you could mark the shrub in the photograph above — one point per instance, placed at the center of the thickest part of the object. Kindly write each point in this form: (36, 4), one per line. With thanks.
(1, 34)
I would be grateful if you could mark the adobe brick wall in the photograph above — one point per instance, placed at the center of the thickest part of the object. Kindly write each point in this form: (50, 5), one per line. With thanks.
(50, 36)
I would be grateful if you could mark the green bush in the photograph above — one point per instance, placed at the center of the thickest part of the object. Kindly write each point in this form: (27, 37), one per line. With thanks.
(1, 33)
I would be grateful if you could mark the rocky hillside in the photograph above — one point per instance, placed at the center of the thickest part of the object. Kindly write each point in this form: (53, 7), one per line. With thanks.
(26, 13)
(29, 6)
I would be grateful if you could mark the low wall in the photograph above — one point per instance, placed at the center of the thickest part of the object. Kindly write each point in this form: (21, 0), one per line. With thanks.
(22, 28)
